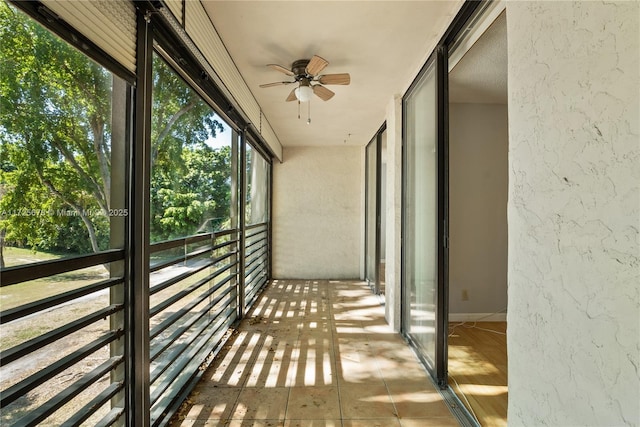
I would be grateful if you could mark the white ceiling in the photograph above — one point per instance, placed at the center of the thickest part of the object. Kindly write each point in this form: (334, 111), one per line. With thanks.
(382, 44)
(481, 74)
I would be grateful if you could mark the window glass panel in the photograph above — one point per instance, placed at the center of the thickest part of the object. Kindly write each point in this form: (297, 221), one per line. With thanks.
(370, 236)
(382, 241)
(193, 271)
(420, 214)
(190, 160)
(56, 142)
(257, 187)
(63, 136)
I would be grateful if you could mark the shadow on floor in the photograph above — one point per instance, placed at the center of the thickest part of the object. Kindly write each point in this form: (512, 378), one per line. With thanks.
(315, 353)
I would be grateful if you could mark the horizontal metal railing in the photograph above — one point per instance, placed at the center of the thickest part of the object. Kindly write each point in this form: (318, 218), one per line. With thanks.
(256, 254)
(60, 337)
(28, 347)
(38, 270)
(193, 291)
(193, 300)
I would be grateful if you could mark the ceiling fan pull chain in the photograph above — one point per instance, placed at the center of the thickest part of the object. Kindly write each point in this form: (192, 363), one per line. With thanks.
(298, 109)
(309, 113)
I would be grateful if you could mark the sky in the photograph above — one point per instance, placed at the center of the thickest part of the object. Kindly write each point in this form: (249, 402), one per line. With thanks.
(223, 138)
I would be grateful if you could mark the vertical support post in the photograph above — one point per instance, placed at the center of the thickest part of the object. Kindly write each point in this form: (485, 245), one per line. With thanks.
(378, 166)
(138, 412)
(242, 222)
(367, 220)
(442, 289)
(234, 220)
(120, 144)
(270, 223)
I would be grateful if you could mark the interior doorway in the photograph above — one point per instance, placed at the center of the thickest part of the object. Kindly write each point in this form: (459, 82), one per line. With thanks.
(478, 189)
(375, 206)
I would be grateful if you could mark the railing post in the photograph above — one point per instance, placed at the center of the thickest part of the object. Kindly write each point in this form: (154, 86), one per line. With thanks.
(139, 404)
(120, 138)
(242, 223)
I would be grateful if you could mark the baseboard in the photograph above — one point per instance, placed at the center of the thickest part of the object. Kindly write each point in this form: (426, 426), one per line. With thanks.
(477, 317)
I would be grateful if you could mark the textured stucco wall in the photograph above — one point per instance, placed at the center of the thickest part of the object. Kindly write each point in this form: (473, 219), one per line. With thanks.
(317, 213)
(574, 213)
(393, 213)
(478, 186)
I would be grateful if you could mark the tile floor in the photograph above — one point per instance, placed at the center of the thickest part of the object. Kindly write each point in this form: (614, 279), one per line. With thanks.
(315, 353)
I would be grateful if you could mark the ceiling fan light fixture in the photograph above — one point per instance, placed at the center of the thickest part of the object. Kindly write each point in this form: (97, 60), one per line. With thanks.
(304, 93)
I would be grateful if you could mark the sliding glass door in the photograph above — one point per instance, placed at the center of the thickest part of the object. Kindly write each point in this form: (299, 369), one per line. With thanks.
(423, 250)
(372, 214)
(375, 169)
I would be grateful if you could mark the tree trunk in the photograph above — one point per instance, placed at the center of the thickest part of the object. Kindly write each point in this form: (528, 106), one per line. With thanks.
(97, 190)
(90, 229)
(3, 233)
(81, 213)
(99, 149)
(167, 129)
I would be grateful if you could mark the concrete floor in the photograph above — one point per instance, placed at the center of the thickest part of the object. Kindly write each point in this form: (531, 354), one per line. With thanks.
(316, 353)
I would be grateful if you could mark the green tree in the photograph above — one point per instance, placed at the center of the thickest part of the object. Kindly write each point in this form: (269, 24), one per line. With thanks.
(190, 182)
(55, 139)
(55, 110)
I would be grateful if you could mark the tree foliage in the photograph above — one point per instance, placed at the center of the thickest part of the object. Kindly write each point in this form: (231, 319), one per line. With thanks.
(190, 181)
(54, 132)
(55, 147)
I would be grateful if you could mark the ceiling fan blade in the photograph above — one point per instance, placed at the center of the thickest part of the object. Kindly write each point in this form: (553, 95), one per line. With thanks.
(322, 92)
(335, 79)
(292, 96)
(280, 68)
(316, 64)
(275, 84)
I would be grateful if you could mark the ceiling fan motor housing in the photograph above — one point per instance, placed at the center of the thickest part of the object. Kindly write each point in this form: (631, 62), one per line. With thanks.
(299, 69)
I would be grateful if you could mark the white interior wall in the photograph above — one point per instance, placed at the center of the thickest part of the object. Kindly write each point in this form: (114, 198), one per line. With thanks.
(317, 213)
(383, 197)
(478, 187)
(393, 212)
(574, 213)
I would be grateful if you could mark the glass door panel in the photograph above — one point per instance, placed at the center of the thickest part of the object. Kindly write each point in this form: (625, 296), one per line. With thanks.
(382, 238)
(371, 216)
(420, 260)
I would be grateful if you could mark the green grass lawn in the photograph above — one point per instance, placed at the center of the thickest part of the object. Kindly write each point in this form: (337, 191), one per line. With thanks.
(23, 293)
(19, 256)
(34, 290)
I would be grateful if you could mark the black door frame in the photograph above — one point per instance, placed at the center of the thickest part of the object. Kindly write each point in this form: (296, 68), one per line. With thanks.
(377, 140)
(440, 55)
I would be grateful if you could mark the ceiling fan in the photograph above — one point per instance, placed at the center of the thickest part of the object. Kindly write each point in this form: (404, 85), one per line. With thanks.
(306, 73)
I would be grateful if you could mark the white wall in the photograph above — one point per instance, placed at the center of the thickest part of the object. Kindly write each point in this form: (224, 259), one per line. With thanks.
(574, 213)
(393, 212)
(478, 186)
(317, 213)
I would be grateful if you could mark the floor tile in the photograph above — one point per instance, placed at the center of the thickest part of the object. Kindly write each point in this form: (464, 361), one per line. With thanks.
(314, 370)
(261, 404)
(275, 348)
(212, 403)
(416, 385)
(316, 354)
(268, 374)
(420, 404)
(352, 371)
(366, 401)
(313, 403)
(254, 423)
(429, 422)
(228, 375)
(384, 422)
(313, 423)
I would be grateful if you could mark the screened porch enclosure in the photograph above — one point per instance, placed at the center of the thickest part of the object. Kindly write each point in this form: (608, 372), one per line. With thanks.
(135, 218)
